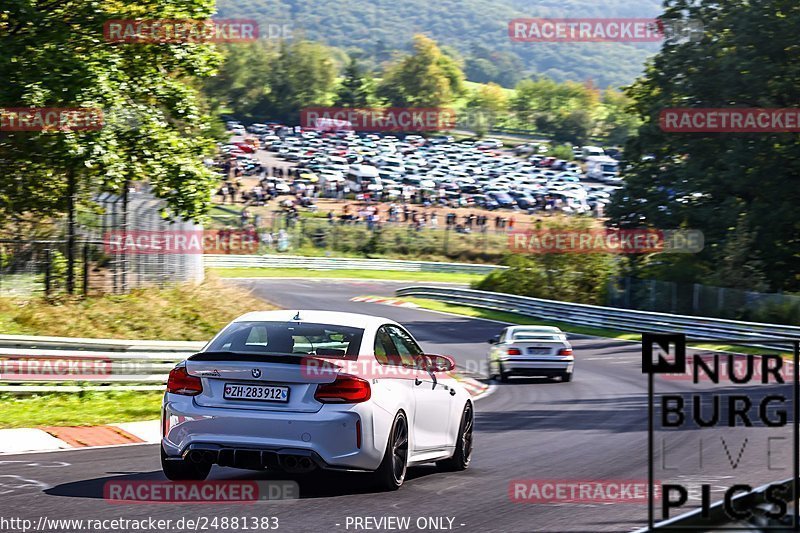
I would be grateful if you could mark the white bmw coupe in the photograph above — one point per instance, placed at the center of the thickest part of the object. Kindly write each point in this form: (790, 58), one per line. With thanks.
(301, 390)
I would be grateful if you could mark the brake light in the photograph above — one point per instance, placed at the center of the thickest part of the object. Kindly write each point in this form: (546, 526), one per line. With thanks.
(514, 351)
(346, 389)
(180, 382)
(565, 351)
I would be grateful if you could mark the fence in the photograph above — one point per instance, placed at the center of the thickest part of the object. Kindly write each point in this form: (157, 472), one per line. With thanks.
(703, 300)
(40, 267)
(143, 213)
(341, 263)
(312, 235)
(606, 317)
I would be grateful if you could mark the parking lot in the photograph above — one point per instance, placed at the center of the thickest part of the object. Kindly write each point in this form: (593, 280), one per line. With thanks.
(264, 162)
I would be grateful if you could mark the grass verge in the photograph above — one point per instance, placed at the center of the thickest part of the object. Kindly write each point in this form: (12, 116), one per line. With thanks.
(184, 312)
(78, 409)
(391, 275)
(513, 318)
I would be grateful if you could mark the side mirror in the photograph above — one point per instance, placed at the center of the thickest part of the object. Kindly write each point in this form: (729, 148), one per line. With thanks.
(436, 363)
(494, 340)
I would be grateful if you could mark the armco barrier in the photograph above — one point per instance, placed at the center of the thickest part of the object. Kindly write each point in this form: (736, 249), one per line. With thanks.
(31, 364)
(606, 317)
(341, 263)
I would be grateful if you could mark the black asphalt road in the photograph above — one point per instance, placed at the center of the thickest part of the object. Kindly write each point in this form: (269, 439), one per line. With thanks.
(591, 429)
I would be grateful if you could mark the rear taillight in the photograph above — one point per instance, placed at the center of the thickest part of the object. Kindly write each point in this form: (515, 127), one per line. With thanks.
(346, 389)
(565, 351)
(180, 382)
(514, 351)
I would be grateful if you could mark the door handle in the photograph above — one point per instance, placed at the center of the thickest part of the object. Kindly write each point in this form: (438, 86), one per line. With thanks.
(452, 392)
(417, 381)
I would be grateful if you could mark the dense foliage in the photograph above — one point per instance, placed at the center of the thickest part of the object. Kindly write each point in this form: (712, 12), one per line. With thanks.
(740, 189)
(476, 29)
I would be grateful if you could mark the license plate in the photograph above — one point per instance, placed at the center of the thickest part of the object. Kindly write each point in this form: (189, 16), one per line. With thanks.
(263, 393)
(538, 351)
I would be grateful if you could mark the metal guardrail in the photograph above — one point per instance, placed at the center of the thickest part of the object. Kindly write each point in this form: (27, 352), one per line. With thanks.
(607, 317)
(31, 364)
(111, 345)
(342, 263)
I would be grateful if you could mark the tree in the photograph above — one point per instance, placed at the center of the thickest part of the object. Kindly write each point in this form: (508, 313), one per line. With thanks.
(54, 55)
(484, 106)
(302, 76)
(709, 181)
(243, 79)
(356, 89)
(617, 123)
(427, 78)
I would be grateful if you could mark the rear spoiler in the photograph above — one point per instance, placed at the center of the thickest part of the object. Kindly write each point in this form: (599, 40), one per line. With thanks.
(287, 359)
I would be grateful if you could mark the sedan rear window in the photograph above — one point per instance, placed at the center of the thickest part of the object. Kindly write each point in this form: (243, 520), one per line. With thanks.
(537, 337)
(289, 338)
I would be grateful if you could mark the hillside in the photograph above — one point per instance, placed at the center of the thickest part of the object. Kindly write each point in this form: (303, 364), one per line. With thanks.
(476, 29)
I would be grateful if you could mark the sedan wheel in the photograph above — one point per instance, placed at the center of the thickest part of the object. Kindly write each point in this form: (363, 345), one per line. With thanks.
(392, 471)
(463, 453)
(503, 374)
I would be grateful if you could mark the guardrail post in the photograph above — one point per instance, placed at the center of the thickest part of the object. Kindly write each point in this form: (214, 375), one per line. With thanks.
(47, 276)
(85, 269)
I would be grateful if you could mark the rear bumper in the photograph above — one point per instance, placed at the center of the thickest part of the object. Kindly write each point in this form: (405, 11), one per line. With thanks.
(533, 366)
(328, 437)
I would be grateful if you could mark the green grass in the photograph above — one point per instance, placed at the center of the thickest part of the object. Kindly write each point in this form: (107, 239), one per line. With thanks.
(184, 312)
(513, 318)
(71, 409)
(442, 277)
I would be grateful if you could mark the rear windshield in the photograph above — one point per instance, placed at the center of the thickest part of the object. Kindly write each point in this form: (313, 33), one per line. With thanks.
(289, 338)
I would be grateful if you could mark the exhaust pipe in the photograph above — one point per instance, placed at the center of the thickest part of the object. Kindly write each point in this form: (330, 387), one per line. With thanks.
(196, 456)
(297, 464)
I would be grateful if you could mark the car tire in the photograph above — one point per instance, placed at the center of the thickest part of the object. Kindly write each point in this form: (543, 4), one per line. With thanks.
(492, 371)
(463, 453)
(183, 469)
(392, 471)
(503, 373)
(566, 377)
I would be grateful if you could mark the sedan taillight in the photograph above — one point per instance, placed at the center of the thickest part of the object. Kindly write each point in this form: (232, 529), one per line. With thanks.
(346, 389)
(565, 351)
(514, 351)
(180, 382)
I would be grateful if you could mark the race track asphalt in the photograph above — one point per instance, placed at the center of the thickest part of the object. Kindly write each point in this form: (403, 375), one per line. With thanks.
(594, 429)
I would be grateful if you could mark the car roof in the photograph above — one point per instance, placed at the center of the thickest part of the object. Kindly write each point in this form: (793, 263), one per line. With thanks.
(539, 329)
(318, 317)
